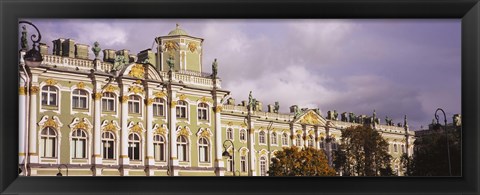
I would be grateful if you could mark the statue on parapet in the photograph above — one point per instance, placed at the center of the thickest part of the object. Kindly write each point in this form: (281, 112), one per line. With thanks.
(119, 62)
(96, 49)
(351, 117)
(276, 108)
(335, 115)
(457, 120)
(24, 42)
(170, 62)
(214, 68)
(344, 117)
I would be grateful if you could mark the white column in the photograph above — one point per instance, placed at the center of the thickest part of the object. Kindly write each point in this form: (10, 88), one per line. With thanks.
(150, 158)
(21, 123)
(32, 146)
(124, 160)
(173, 136)
(251, 148)
(317, 138)
(97, 158)
(218, 141)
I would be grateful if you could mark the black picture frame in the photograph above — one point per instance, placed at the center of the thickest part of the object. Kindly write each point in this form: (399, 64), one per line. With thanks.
(467, 10)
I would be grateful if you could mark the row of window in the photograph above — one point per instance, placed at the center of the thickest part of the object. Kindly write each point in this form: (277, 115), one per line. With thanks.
(395, 147)
(48, 146)
(273, 138)
(80, 101)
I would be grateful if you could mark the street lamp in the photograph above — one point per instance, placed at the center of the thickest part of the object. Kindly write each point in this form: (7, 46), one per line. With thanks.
(59, 171)
(446, 137)
(33, 57)
(227, 154)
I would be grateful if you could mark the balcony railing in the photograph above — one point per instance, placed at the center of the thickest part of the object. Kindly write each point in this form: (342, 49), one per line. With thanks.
(81, 64)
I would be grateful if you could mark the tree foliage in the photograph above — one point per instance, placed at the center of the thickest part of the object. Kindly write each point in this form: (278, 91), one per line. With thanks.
(430, 156)
(362, 152)
(294, 161)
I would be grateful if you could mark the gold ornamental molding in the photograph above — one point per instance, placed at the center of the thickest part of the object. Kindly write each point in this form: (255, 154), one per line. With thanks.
(185, 131)
(244, 151)
(299, 132)
(97, 96)
(192, 46)
(218, 109)
(78, 123)
(22, 91)
(310, 118)
(183, 97)
(52, 122)
(137, 71)
(34, 89)
(137, 128)
(149, 101)
(204, 99)
(110, 88)
(171, 46)
(110, 126)
(160, 129)
(204, 132)
(135, 89)
(173, 104)
(263, 152)
(229, 123)
(159, 94)
(81, 85)
(51, 81)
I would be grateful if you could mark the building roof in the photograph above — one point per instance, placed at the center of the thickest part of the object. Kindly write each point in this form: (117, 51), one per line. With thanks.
(177, 31)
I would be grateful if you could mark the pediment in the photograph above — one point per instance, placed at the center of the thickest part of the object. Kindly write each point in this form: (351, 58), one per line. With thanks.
(311, 118)
(138, 70)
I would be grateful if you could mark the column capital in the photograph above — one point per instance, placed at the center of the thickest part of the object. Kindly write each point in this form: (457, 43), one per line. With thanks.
(123, 99)
(97, 96)
(22, 91)
(34, 89)
(149, 101)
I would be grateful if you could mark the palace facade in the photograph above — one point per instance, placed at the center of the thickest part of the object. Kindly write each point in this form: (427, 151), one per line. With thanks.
(158, 114)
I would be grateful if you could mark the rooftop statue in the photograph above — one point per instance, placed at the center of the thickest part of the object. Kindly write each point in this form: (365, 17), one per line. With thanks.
(96, 49)
(351, 117)
(344, 117)
(120, 61)
(335, 115)
(457, 120)
(330, 115)
(24, 42)
(214, 68)
(405, 122)
(276, 108)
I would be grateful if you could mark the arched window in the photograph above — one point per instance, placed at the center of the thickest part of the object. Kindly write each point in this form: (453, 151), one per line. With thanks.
(243, 135)
(322, 143)
(298, 140)
(159, 107)
(134, 104)
(403, 148)
(203, 151)
(334, 144)
(273, 138)
(159, 147)
(230, 163)
(108, 145)
(310, 141)
(284, 139)
(230, 133)
(263, 166)
(395, 149)
(243, 163)
(134, 146)
(78, 146)
(79, 99)
(48, 143)
(202, 111)
(182, 109)
(49, 95)
(261, 137)
(108, 102)
(182, 148)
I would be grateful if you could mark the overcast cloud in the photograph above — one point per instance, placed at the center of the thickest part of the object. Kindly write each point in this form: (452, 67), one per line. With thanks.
(396, 67)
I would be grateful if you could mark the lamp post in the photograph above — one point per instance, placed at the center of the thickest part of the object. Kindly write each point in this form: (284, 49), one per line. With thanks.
(446, 137)
(59, 170)
(33, 57)
(227, 154)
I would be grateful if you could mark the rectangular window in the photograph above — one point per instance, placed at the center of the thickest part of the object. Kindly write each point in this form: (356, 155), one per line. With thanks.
(181, 112)
(108, 149)
(229, 164)
(158, 110)
(108, 105)
(134, 107)
(243, 164)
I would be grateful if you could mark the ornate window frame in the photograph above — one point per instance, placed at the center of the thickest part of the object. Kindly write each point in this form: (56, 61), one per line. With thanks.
(185, 131)
(140, 131)
(88, 110)
(85, 125)
(245, 136)
(274, 137)
(54, 123)
(115, 104)
(262, 138)
(162, 130)
(230, 134)
(56, 108)
(135, 99)
(113, 127)
(158, 104)
(206, 134)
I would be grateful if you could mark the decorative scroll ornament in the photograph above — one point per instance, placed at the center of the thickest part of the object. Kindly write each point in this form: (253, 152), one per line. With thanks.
(160, 129)
(34, 89)
(124, 99)
(229, 123)
(310, 118)
(243, 151)
(192, 46)
(52, 122)
(185, 131)
(218, 109)
(137, 128)
(51, 82)
(203, 99)
(263, 152)
(183, 97)
(149, 101)
(110, 126)
(110, 88)
(137, 71)
(81, 124)
(97, 96)
(173, 104)
(204, 132)
(171, 46)
(159, 94)
(135, 89)
(81, 85)
(21, 91)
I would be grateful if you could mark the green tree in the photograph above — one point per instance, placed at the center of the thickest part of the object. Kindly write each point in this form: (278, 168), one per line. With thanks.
(294, 161)
(362, 152)
(430, 156)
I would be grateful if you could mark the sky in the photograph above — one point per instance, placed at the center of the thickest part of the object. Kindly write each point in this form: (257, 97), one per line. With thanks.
(397, 67)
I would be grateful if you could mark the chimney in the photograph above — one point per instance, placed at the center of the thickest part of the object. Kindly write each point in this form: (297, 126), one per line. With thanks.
(293, 108)
(68, 48)
(132, 58)
(57, 47)
(231, 101)
(109, 55)
(244, 103)
(43, 48)
(147, 54)
(270, 108)
(81, 51)
(259, 106)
